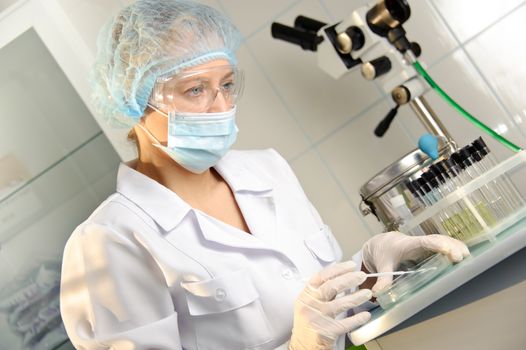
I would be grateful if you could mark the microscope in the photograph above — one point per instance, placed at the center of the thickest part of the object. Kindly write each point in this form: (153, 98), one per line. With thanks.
(372, 38)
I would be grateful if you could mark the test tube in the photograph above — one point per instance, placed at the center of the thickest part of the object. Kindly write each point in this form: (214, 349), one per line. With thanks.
(502, 200)
(431, 225)
(446, 185)
(490, 205)
(451, 225)
(458, 179)
(461, 213)
(457, 219)
(505, 184)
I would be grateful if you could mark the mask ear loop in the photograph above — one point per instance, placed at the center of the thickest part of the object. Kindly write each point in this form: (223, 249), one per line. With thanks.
(157, 109)
(157, 142)
(150, 135)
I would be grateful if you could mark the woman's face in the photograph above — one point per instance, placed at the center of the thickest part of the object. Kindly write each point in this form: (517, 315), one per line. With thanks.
(206, 88)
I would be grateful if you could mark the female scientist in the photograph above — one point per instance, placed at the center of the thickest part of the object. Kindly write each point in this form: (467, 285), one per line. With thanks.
(201, 247)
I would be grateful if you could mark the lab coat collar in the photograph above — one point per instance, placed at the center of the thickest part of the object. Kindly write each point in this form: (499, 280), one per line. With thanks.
(254, 196)
(240, 175)
(214, 231)
(168, 209)
(160, 203)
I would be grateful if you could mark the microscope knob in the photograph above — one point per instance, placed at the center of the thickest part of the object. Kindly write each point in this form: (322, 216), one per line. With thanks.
(416, 48)
(373, 69)
(401, 95)
(350, 40)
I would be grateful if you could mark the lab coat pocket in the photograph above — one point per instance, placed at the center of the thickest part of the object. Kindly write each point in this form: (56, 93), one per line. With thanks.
(226, 312)
(323, 245)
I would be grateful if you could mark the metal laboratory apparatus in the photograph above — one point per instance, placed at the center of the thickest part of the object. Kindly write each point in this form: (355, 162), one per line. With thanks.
(438, 188)
(372, 39)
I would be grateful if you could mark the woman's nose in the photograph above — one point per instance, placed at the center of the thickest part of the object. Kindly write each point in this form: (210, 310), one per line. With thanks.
(220, 104)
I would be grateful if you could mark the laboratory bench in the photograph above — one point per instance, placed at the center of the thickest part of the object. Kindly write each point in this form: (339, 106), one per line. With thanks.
(492, 266)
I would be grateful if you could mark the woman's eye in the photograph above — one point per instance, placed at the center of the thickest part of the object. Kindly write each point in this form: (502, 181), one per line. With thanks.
(228, 86)
(195, 90)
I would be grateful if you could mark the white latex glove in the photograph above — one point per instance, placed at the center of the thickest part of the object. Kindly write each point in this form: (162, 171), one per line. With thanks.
(315, 310)
(385, 252)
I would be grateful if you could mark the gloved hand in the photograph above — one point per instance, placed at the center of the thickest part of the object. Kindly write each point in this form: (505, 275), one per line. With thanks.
(315, 310)
(385, 252)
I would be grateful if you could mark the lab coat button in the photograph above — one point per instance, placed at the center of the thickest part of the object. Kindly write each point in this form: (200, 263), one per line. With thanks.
(287, 274)
(220, 294)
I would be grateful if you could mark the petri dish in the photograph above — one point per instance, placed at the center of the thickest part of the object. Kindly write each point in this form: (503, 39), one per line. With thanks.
(405, 285)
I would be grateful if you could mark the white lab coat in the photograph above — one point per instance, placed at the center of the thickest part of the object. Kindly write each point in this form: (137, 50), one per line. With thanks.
(147, 271)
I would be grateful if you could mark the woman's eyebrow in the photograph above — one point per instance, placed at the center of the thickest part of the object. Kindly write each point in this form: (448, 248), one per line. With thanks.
(199, 79)
(228, 75)
(191, 80)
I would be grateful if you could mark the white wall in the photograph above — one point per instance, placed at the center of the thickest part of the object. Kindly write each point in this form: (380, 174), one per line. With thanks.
(56, 166)
(473, 48)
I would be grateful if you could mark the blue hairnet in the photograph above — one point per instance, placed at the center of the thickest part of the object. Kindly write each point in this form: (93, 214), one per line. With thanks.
(151, 38)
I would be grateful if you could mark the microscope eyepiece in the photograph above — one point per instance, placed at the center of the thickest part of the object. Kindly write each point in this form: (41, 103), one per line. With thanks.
(399, 9)
(387, 14)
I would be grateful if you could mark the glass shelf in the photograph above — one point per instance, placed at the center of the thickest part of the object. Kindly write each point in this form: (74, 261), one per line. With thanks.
(29, 201)
(14, 189)
(36, 218)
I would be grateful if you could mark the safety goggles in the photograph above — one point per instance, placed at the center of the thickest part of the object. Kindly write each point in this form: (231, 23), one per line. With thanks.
(195, 91)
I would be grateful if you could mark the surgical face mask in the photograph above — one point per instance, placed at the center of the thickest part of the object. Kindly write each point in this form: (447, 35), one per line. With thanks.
(197, 141)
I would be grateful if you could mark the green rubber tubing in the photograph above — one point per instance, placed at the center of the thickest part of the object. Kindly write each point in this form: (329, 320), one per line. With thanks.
(462, 111)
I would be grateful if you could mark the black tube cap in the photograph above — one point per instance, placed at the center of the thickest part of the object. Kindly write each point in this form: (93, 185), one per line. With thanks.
(475, 154)
(430, 178)
(449, 167)
(458, 160)
(438, 172)
(466, 156)
(412, 187)
(443, 168)
(423, 186)
(481, 146)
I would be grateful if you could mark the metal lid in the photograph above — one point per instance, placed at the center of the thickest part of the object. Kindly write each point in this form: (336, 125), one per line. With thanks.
(403, 168)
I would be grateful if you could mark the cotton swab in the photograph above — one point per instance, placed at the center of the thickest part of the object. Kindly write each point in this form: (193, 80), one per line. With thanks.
(398, 273)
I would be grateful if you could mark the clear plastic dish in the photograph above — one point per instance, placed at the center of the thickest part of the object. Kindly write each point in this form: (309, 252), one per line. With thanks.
(407, 284)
